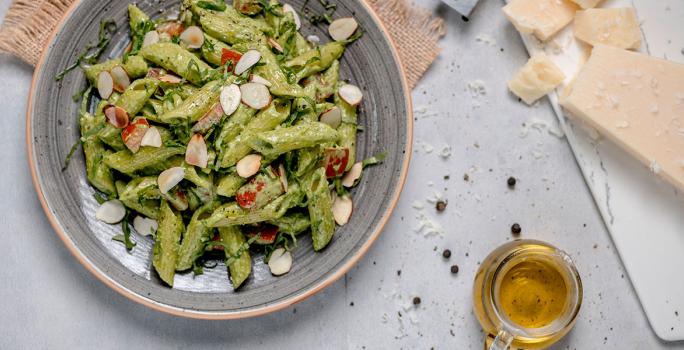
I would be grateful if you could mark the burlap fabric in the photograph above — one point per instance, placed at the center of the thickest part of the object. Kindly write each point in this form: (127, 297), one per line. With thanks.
(29, 23)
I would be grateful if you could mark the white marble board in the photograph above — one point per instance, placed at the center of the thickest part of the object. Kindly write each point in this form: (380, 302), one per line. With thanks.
(643, 213)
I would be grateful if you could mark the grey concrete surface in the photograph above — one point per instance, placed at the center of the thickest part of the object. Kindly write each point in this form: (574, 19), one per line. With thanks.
(49, 301)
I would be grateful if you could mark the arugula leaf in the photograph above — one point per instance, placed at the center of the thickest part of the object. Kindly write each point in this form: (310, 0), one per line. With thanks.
(92, 51)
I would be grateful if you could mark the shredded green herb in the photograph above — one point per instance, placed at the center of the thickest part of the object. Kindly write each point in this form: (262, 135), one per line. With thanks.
(326, 16)
(273, 9)
(377, 159)
(92, 51)
(126, 237)
(212, 5)
(280, 241)
(138, 38)
(100, 199)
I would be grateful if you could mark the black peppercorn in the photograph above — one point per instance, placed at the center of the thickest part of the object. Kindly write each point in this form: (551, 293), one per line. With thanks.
(440, 205)
(454, 269)
(446, 253)
(515, 229)
(416, 300)
(511, 182)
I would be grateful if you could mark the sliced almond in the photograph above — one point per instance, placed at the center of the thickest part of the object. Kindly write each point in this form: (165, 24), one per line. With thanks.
(255, 95)
(247, 61)
(116, 116)
(343, 28)
(145, 226)
(287, 8)
(314, 39)
(230, 98)
(332, 117)
(280, 262)
(210, 119)
(351, 94)
(111, 212)
(248, 166)
(352, 175)
(120, 78)
(275, 45)
(105, 84)
(170, 78)
(170, 28)
(152, 138)
(342, 209)
(282, 177)
(170, 178)
(192, 37)
(153, 73)
(196, 153)
(259, 80)
(150, 38)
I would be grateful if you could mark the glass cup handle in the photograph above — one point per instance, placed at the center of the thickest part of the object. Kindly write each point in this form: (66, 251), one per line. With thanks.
(502, 341)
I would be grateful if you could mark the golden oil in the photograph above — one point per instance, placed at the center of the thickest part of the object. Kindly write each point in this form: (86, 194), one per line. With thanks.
(530, 291)
(533, 294)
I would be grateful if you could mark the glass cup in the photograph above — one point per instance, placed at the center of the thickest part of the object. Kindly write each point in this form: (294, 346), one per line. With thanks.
(526, 295)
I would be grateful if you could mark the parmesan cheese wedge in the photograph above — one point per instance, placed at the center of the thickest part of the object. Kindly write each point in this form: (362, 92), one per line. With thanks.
(638, 102)
(536, 78)
(617, 27)
(543, 18)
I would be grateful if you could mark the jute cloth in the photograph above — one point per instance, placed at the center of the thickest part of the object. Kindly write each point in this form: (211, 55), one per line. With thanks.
(29, 23)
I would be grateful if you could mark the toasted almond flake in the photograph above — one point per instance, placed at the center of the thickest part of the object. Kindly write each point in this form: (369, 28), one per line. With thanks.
(116, 116)
(248, 166)
(196, 153)
(280, 262)
(287, 8)
(257, 79)
(209, 119)
(352, 175)
(192, 37)
(170, 28)
(152, 138)
(111, 212)
(153, 73)
(282, 177)
(351, 94)
(275, 45)
(145, 226)
(120, 78)
(105, 84)
(343, 28)
(150, 38)
(170, 178)
(170, 78)
(255, 95)
(230, 98)
(342, 209)
(247, 61)
(332, 117)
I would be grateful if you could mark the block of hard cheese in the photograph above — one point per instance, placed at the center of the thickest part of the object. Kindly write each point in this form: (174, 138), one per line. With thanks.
(638, 102)
(543, 18)
(587, 4)
(617, 27)
(536, 78)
